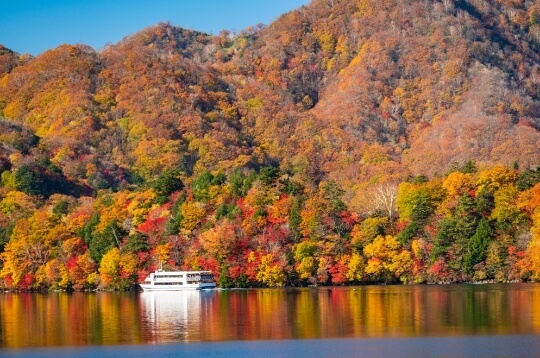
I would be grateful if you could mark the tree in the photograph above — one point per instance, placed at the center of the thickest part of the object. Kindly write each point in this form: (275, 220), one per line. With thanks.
(109, 268)
(167, 183)
(219, 240)
(270, 273)
(385, 199)
(29, 181)
(457, 184)
(496, 177)
(268, 175)
(386, 259)
(304, 255)
(478, 244)
(528, 178)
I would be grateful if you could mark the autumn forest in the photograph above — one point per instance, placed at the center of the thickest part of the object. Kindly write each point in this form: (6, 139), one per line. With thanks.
(348, 142)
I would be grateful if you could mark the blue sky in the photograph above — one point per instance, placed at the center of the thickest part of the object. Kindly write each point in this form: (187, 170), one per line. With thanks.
(33, 26)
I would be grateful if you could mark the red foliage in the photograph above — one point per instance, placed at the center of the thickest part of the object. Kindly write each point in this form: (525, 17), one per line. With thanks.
(72, 262)
(236, 271)
(209, 264)
(349, 218)
(153, 228)
(400, 225)
(27, 282)
(438, 269)
(338, 272)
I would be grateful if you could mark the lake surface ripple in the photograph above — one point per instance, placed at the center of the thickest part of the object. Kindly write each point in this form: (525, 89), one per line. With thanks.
(492, 320)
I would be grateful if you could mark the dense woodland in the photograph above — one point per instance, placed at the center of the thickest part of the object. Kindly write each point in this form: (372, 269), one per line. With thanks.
(348, 142)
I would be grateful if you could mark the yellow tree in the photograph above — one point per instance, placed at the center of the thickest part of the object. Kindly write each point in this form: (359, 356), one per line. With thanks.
(494, 178)
(29, 248)
(364, 232)
(386, 258)
(109, 268)
(192, 214)
(356, 268)
(457, 183)
(304, 255)
(532, 258)
(415, 200)
(16, 204)
(270, 272)
(118, 270)
(506, 209)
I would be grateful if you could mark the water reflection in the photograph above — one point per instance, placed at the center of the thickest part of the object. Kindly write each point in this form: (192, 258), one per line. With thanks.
(174, 316)
(78, 319)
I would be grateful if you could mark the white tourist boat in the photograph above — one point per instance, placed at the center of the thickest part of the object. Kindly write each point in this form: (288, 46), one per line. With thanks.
(178, 281)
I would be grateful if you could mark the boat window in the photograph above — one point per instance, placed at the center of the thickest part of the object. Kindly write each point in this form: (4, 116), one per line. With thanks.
(168, 283)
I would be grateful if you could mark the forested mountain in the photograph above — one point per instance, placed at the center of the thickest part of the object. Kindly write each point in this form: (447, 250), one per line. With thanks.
(345, 140)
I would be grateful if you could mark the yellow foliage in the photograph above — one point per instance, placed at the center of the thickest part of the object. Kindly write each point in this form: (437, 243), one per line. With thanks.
(367, 230)
(356, 267)
(16, 203)
(261, 195)
(129, 263)
(307, 267)
(304, 249)
(9, 180)
(374, 266)
(109, 268)
(140, 204)
(505, 204)
(162, 252)
(385, 256)
(270, 273)
(192, 213)
(409, 195)
(457, 184)
(112, 208)
(383, 247)
(311, 225)
(400, 263)
(418, 247)
(155, 155)
(327, 41)
(452, 69)
(116, 266)
(533, 250)
(494, 178)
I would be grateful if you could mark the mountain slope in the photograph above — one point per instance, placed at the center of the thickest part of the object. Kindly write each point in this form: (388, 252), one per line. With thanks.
(349, 90)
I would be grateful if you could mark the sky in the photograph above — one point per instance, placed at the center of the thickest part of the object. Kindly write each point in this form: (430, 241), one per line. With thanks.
(34, 26)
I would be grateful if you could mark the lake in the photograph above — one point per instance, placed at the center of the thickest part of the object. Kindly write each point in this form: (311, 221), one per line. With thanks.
(492, 320)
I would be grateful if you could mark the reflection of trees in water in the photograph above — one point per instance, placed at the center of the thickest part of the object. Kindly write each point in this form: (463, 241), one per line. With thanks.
(105, 318)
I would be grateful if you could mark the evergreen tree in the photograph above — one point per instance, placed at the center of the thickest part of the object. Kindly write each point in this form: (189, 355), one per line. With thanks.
(167, 183)
(478, 244)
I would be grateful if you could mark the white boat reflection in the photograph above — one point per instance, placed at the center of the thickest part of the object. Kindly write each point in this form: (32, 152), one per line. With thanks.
(175, 316)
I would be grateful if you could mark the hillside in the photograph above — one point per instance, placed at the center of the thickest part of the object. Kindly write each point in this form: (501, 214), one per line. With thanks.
(312, 117)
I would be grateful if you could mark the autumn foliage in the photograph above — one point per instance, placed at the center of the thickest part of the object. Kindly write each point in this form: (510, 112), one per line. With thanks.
(347, 142)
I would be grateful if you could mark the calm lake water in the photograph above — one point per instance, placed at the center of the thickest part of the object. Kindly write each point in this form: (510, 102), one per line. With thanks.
(407, 321)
